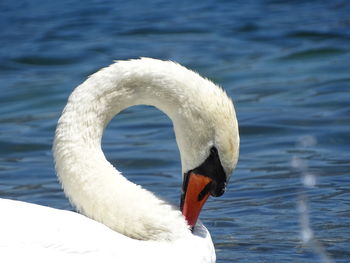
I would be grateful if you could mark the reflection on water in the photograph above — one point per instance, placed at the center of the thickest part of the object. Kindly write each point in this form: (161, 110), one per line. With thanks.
(285, 64)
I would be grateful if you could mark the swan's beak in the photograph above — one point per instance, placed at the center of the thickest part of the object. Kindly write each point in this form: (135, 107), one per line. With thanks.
(196, 190)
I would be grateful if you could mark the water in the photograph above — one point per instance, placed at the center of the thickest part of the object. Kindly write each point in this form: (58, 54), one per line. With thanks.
(285, 64)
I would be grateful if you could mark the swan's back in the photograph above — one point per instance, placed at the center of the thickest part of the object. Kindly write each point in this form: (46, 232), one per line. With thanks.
(30, 231)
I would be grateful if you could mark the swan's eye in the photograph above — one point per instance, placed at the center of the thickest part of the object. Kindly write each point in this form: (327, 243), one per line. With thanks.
(213, 150)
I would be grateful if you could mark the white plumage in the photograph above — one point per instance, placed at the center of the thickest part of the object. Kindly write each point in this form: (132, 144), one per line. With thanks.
(124, 223)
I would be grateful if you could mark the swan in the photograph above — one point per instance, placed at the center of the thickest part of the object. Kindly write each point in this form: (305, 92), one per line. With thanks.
(120, 221)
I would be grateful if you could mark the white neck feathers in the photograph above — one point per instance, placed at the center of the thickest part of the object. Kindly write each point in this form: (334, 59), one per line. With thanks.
(92, 184)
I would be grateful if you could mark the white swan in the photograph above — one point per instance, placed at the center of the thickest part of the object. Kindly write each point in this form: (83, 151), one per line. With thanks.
(126, 223)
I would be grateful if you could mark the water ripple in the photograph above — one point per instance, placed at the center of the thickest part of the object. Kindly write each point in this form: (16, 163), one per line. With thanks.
(285, 64)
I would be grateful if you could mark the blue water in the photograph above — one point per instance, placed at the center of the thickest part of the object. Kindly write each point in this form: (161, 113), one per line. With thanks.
(286, 64)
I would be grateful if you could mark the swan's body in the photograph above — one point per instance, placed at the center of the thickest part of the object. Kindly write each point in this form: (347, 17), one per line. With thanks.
(33, 233)
(145, 228)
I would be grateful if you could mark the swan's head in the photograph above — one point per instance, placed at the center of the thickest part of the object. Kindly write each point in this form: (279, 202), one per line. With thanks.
(209, 145)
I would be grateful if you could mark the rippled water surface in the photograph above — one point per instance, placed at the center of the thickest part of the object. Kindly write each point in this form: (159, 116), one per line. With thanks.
(286, 64)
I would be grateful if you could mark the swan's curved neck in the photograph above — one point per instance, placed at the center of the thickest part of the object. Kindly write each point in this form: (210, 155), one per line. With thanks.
(89, 180)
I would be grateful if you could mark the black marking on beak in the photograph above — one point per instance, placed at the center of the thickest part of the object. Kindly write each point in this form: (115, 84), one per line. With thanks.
(211, 168)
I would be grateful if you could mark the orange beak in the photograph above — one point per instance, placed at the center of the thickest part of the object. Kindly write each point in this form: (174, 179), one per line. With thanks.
(196, 191)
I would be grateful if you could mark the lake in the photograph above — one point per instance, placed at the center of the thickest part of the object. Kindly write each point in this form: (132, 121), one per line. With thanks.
(286, 64)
